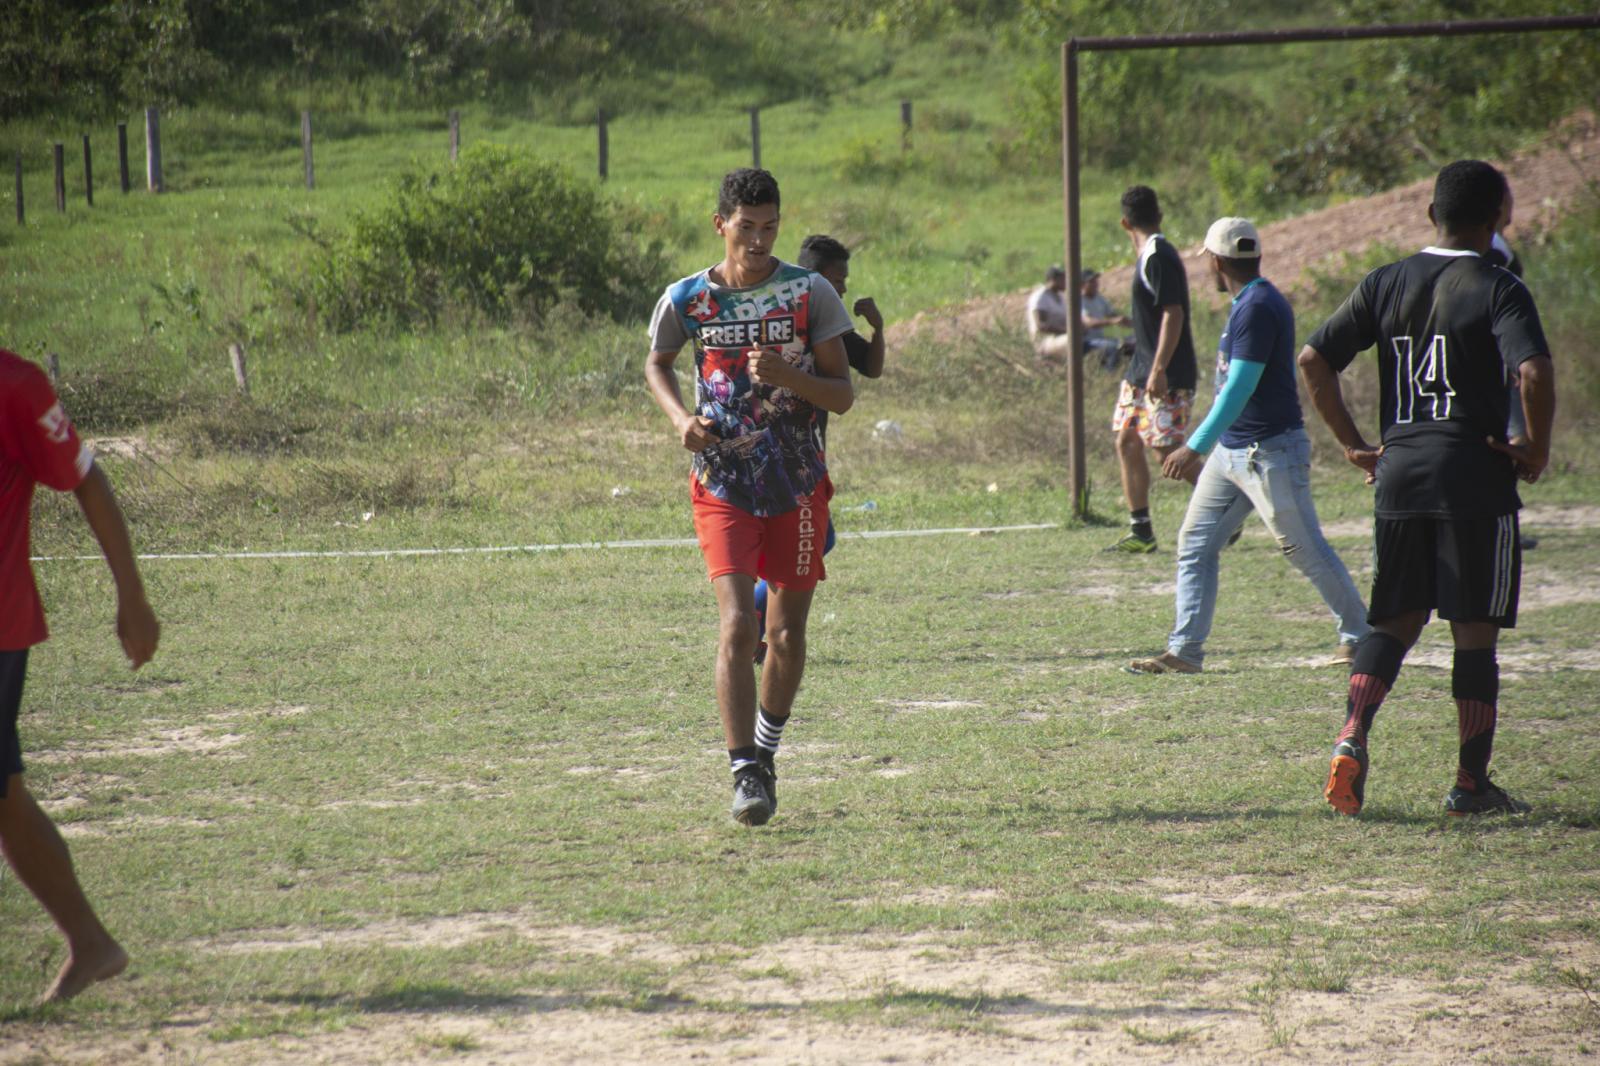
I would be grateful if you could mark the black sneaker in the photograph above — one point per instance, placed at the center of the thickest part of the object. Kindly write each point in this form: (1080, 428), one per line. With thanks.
(1347, 778)
(751, 803)
(1490, 799)
(769, 776)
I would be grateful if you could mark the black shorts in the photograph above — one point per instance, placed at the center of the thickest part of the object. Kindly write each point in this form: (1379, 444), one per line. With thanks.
(13, 667)
(1466, 569)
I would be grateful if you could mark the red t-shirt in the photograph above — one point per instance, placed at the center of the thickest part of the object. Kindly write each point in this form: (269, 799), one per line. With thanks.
(37, 446)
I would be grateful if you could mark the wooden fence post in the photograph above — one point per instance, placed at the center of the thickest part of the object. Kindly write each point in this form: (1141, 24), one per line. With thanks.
(905, 125)
(61, 176)
(52, 366)
(605, 145)
(20, 216)
(755, 137)
(152, 149)
(241, 378)
(88, 174)
(455, 134)
(122, 153)
(305, 148)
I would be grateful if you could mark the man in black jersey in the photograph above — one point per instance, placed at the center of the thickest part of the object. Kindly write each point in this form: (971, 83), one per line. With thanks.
(1158, 386)
(1450, 328)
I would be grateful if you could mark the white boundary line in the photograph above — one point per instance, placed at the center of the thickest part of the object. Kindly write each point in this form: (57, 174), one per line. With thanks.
(590, 545)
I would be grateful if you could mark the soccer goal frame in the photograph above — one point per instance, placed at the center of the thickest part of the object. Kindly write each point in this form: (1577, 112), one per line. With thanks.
(1070, 166)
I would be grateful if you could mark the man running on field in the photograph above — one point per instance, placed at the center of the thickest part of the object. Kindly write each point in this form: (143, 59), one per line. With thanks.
(1450, 328)
(767, 356)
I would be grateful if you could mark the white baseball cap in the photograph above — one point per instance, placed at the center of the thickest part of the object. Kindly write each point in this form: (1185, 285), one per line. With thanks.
(1233, 238)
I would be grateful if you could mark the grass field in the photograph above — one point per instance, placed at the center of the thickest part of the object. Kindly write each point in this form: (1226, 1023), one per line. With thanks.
(378, 811)
(474, 809)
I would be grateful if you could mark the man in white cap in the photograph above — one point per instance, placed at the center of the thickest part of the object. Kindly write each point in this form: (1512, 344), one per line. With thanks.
(1250, 452)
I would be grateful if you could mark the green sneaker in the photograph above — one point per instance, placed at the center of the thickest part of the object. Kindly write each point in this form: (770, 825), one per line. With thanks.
(1134, 544)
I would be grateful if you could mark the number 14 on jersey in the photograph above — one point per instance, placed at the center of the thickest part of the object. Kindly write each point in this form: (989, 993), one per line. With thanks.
(1422, 378)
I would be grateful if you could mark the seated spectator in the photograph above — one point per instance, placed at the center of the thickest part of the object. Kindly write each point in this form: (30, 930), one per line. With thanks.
(1097, 315)
(1047, 316)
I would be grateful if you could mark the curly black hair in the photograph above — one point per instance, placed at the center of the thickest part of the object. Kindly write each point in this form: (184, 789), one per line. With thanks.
(1140, 208)
(746, 187)
(1467, 193)
(820, 250)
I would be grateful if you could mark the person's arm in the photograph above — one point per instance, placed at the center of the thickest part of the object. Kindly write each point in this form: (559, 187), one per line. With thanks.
(137, 627)
(696, 433)
(1185, 459)
(872, 366)
(828, 387)
(1532, 452)
(1166, 346)
(1322, 382)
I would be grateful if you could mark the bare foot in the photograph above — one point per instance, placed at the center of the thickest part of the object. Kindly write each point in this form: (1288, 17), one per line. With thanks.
(85, 968)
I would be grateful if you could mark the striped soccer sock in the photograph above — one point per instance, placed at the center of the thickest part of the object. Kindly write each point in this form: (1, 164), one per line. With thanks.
(769, 732)
(1475, 684)
(1372, 675)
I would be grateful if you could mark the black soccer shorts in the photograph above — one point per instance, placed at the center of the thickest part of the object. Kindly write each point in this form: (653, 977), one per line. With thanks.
(13, 667)
(1466, 569)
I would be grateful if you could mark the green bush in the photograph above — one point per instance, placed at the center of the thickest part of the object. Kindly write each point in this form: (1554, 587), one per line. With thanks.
(499, 234)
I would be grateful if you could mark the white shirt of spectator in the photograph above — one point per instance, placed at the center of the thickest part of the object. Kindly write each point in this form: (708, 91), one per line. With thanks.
(1049, 304)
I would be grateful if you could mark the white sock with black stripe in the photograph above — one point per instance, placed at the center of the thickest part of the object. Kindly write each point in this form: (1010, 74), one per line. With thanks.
(769, 732)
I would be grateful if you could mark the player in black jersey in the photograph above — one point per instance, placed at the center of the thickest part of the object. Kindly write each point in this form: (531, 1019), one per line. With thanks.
(1450, 328)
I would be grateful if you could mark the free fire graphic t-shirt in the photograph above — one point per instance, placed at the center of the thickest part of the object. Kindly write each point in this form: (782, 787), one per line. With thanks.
(770, 453)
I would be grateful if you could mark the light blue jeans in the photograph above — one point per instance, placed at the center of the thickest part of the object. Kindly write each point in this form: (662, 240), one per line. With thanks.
(1272, 476)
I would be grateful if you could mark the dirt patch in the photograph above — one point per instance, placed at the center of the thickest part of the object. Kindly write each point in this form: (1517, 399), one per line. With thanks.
(287, 711)
(1544, 587)
(449, 932)
(181, 740)
(129, 447)
(108, 827)
(1514, 663)
(918, 998)
(1239, 891)
(929, 705)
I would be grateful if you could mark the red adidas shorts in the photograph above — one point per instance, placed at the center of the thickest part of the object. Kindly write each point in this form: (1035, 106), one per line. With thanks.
(785, 550)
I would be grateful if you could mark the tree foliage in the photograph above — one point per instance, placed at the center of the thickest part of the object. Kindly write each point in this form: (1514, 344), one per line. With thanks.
(1357, 120)
(78, 56)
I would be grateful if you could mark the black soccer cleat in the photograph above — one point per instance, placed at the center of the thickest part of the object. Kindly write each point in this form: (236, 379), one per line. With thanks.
(1347, 778)
(1490, 799)
(751, 803)
(769, 777)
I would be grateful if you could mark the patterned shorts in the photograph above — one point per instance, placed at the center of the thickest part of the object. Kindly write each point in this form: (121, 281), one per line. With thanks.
(1163, 424)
